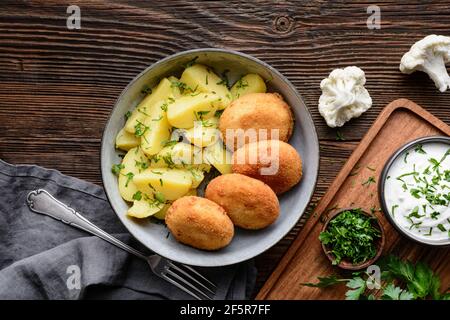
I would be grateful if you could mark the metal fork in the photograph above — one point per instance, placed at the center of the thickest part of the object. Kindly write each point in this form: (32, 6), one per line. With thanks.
(180, 275)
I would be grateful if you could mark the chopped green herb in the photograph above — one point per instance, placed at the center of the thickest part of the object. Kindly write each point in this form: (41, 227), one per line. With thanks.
(370, 180)
(127, 115)
(190, 63)
(351, 236)
(169, 143)
(339, 136)
(137, 195)
(140, 129)
(116, 168)
(419, 149)
(146, 90)
(395, 206)
(159, 196)
(129, 176)
(406, 157)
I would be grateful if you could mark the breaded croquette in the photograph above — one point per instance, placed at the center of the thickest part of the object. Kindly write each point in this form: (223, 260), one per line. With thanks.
(200, 223)
(250, 203)
(274, 162)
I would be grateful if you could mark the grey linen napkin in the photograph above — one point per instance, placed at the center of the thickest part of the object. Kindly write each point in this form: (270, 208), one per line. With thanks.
(42, 258)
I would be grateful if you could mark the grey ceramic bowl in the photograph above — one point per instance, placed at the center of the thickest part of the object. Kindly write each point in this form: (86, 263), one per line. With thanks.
(381, 186)
(245, 244)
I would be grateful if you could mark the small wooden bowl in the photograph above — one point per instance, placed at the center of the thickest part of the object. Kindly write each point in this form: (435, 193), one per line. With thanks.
(347, 265)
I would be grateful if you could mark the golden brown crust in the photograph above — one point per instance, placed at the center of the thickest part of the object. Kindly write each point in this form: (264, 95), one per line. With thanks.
(200, 223)
(257, 111)
(249, 203)
(289, 171)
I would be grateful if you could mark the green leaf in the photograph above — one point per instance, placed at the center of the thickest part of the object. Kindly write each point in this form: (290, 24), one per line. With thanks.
(445, 296)
(137, 195)
(406, 295)
(421, 283)
(159, 196)
(325, 282)
(358, 285)
(402, 269)
(435, 285)
(391, 292)
(116, 168)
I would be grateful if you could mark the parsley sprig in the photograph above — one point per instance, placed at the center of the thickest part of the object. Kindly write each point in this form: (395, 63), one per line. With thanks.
(417, 281)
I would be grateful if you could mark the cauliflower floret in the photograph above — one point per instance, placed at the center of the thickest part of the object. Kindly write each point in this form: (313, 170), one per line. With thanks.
(430, 56)
(343, 96)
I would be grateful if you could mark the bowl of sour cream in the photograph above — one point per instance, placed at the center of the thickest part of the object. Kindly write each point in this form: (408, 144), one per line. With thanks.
(414, 190)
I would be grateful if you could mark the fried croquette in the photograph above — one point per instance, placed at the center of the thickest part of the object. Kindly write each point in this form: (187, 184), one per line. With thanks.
(200, 223)
(274, 162)
(256, 111)
(250, 203)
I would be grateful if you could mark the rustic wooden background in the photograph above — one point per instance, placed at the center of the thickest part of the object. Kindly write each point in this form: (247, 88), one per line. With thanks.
(57, 86)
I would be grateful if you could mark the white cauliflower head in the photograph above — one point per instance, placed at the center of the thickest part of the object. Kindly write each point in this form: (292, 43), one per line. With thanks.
(343, 96)
(430, 56)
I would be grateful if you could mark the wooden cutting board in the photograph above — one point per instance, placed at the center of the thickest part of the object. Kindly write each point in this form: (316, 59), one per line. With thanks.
(400, 121)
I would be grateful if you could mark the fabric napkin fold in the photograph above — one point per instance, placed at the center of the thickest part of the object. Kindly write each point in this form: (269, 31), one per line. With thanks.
(42, 258)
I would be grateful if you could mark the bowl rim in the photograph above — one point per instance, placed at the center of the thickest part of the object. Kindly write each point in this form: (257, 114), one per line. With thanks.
(226, 51)
(380, 242)
(382, 182)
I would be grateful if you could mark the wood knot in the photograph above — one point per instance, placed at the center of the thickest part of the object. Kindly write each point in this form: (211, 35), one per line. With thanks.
(283, 24)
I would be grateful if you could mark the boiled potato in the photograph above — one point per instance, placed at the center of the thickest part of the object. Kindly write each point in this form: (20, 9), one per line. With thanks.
(155, 128)
(126, 140)
(219, 157)
(204, 133)
(133, 163)
(251, 83)
(161, 214)
(176, 92)
(197, 177)
(180, 155)
(144, 208)
(200, 78)
(171, 183)
(184, 111)
(162, 92)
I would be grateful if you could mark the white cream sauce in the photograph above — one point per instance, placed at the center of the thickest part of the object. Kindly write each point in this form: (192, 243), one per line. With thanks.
(417, 191)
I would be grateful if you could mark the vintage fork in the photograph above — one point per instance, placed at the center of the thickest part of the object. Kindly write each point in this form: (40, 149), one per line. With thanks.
(180, 275)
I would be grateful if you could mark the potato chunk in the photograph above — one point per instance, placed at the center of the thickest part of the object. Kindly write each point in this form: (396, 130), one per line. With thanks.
(180, 155)
(204, 133)
(133, 163)
(176, 91)
(126, 141)
(162, 92)
(251, 83)
(164, 183)
(184, 111)
(144, 208)
(219, 157)
(200, 78)
(155, 129)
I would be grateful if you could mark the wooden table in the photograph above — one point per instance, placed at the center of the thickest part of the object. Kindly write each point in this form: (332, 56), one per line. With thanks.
(57, 86)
